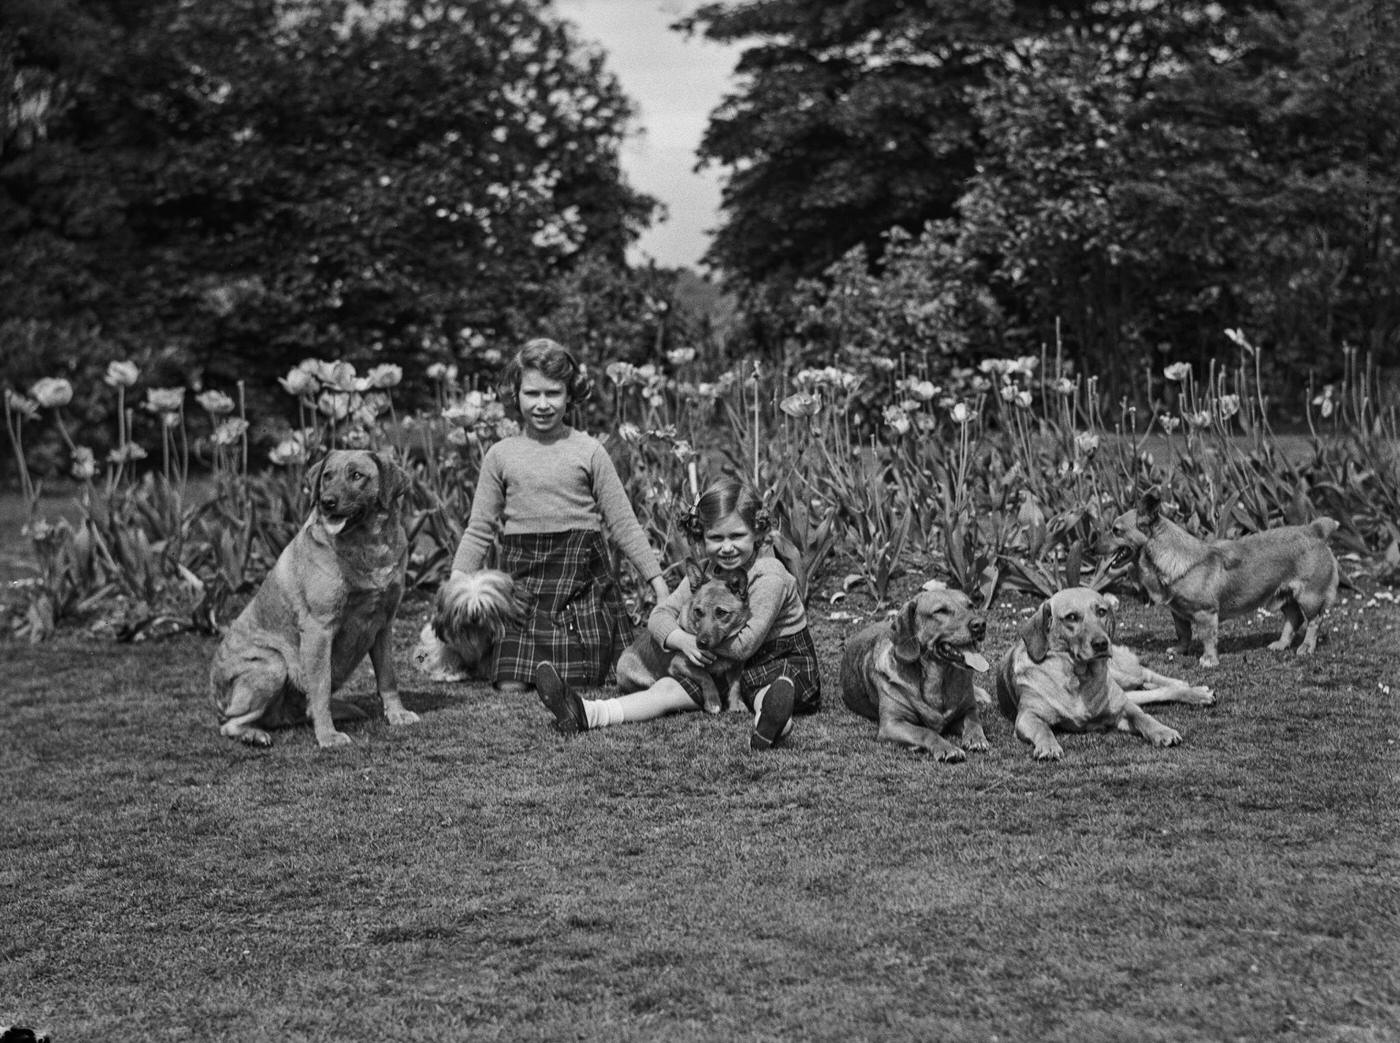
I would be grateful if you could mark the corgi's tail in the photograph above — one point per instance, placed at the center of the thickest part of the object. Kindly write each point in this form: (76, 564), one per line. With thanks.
(1323, 527)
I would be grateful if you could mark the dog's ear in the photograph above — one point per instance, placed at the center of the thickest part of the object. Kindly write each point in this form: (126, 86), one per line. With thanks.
(1035, 632)
(1150, 506)
(313, 478)
(695, 573)
(905, 634)
(738, 584)
(1112, 601)
(393, 479)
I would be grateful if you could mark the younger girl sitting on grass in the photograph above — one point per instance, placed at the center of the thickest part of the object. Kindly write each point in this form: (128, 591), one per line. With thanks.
(779, 675)
(551, 490)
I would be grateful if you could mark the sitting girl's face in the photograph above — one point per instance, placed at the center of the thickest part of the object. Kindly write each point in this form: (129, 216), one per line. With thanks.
(542, 402)
(730, 543)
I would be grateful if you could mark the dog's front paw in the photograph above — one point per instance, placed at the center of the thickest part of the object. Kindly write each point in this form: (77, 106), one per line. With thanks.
(1048, 751)
(1165, 736)
(330, 739)
(1282, 645)
(1209, 660)
(952, 755)
(976, 741)
(1201, 695)
(401, 716)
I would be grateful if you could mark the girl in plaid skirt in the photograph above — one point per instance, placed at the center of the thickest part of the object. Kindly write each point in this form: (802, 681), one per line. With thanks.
(550, 491)
(780, 673)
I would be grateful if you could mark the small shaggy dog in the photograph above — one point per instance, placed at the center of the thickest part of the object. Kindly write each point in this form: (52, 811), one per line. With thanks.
(469, 614)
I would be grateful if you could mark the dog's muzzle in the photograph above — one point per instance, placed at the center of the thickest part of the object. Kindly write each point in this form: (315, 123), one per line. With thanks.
(1122, 554)
(332, 522)
(965, 654)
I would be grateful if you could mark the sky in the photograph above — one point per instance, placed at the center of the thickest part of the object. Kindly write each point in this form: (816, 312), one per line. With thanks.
(674, 82)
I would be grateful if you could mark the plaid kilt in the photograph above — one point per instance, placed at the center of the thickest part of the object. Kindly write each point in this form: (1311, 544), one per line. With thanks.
(794, 655)
(577, 621)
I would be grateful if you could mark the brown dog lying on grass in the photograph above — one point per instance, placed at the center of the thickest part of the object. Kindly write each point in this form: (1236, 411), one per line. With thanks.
(913, 674)
(717, 610)
(1202, 582)
(1065, 673)
(330, 598)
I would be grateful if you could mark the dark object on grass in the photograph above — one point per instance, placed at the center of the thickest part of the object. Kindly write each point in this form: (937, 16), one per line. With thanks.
(21, 1034)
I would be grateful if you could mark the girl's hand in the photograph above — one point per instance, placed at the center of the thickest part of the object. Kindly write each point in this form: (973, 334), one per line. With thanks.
(684, 643)
(659, 588)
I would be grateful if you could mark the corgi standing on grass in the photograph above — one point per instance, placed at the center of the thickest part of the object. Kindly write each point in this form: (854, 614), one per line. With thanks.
(779, 674)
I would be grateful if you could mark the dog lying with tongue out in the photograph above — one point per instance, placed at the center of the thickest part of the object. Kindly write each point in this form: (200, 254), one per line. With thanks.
(913, 674)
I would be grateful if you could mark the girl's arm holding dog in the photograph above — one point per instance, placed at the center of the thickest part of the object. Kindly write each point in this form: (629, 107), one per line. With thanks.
(773, 601)
(664, 624)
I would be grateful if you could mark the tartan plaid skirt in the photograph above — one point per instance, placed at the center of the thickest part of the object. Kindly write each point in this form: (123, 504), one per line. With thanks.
(577, 621)
(793, 655)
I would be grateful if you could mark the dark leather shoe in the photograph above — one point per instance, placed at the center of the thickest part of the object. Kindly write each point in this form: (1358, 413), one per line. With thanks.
(559, 699)
(774, 715)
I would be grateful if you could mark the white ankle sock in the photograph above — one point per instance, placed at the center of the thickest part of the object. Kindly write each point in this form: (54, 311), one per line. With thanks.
(602, 712)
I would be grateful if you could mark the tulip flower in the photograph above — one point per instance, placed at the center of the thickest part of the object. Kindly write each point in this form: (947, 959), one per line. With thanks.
(51, 392)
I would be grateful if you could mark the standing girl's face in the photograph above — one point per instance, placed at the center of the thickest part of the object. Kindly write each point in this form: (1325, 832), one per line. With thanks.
(730, 543)
(542, 402)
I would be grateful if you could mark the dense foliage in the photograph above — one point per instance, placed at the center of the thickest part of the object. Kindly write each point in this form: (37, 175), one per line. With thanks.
(1010, 476)
(218, 190)
(1125, 179)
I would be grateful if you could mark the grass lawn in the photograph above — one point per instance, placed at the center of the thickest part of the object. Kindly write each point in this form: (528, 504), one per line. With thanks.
(479, 877)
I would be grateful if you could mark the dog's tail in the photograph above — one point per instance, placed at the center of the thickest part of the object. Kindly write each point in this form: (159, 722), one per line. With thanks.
(1323, 527)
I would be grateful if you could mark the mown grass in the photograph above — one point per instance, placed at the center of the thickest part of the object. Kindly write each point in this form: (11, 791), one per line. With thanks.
(479, 877)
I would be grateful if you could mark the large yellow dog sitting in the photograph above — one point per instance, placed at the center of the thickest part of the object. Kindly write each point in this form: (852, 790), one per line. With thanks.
(330, 598)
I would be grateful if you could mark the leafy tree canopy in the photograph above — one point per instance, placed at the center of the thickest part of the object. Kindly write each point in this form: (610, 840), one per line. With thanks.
(1146, 173)
(240, 185)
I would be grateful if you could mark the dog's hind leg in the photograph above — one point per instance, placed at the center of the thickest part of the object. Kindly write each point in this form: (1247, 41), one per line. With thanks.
(1183, 632)
(240, 728)
(252, 697)
(1176, 692)
(1311, 604)
(1292, 623)
(252, 685)
(1137, 720)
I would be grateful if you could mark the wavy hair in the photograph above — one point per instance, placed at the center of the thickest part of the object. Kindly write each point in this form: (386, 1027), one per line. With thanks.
(721, 499)
(553, 360)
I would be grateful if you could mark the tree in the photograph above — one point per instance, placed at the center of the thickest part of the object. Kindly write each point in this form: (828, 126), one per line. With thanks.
(851, 120)
(1138, 175)
(1242, 178)
(235, 186)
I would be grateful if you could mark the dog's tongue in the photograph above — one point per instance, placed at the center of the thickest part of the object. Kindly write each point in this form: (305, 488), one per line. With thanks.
(974, 660)
(332, 525)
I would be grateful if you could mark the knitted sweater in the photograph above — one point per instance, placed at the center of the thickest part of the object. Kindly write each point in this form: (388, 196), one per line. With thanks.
(529, 486)
(774, 604)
